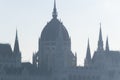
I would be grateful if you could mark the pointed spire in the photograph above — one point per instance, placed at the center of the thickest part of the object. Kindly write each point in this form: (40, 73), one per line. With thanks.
(54, 14)
(100, 33)
(88, 46)
(16, 35)
(16, 45)
(100, 41)
(88, 55)
(107, 44)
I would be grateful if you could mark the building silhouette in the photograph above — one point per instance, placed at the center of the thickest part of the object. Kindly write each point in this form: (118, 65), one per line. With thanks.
(54, 47)
(54, 59)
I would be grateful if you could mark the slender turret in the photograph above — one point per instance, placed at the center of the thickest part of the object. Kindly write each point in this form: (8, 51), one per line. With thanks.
(16, 46)
(100, 41)
(17, 52)
(88, 55)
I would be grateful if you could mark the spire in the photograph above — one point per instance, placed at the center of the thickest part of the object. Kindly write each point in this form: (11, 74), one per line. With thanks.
(54, 14)
(100, 33)
(16, 35)
(16, 45)
(107, 44)
(100, 41)
(88, 55)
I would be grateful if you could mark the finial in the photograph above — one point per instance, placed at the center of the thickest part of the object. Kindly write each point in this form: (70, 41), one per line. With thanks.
(54, 3)
(54, 14)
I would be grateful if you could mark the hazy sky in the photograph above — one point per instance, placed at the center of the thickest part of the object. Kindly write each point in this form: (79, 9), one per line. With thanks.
(81, 18)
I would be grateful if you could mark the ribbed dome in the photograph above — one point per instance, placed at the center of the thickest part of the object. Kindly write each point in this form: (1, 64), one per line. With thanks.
(51, 31)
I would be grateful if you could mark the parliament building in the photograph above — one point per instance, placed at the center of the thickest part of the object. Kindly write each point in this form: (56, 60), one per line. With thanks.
(54, 59)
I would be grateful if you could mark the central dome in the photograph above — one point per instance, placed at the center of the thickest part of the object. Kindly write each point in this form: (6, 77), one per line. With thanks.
(51, 31)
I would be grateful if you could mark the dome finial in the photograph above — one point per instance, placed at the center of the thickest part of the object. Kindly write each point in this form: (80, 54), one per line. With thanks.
(54, 14)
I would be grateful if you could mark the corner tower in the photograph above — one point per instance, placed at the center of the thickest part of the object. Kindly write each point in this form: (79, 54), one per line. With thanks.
(54, 52)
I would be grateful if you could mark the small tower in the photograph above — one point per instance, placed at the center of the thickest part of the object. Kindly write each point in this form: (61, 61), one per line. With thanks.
(88, 56)
(54, 14)
(17, 52)
(100, 41)
(107, 45)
